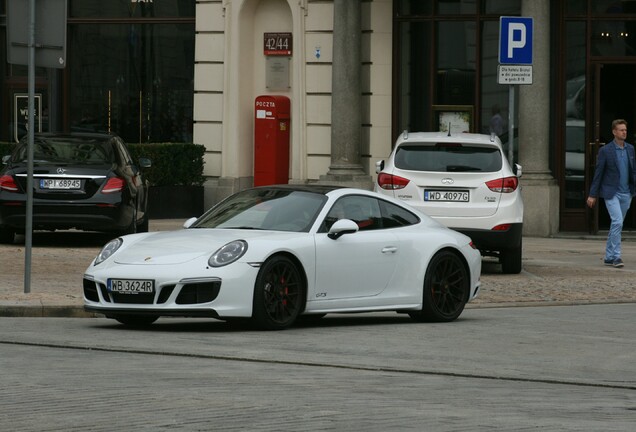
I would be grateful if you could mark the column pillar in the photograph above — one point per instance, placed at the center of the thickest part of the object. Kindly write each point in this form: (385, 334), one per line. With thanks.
(346, 111)
(540, 190)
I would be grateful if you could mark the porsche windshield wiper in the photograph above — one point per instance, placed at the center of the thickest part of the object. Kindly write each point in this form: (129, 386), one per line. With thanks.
(241, 227)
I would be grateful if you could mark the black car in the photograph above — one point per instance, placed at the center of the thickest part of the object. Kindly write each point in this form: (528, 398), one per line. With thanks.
(85, 181)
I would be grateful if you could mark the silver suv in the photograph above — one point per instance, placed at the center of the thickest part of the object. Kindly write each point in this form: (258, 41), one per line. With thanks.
(463, 181)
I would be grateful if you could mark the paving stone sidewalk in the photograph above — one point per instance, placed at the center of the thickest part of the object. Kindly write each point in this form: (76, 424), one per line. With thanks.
(564, 270)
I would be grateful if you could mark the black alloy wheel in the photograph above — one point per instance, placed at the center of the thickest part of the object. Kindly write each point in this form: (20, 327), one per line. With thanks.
(279, 294)
(446, 289)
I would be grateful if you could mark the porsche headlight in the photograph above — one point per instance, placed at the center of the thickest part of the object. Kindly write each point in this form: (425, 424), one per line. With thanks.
(228, 253)
(110, 248)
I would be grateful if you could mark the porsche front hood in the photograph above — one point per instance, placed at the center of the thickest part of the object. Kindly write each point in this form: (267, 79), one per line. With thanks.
(178, 247)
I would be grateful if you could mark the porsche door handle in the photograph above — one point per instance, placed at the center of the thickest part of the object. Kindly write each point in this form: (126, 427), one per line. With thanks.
(389, 249)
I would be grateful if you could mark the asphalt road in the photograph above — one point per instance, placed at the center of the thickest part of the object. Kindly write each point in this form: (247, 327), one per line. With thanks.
(552, 368)
(567, 363)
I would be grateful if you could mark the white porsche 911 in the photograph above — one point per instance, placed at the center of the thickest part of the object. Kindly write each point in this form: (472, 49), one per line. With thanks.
(276, 253)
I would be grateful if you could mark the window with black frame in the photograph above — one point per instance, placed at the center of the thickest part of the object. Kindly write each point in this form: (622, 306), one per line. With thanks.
(447, 54)
(133, 76)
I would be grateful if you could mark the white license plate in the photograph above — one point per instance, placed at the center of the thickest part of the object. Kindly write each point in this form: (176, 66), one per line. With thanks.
(131, 286)
(60, 184)
(454, 196)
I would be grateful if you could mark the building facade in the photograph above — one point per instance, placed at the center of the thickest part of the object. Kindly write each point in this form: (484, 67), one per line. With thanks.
(129, 69)
(356, 74)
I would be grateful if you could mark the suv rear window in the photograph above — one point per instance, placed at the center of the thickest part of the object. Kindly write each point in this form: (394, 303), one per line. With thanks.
(445, 157)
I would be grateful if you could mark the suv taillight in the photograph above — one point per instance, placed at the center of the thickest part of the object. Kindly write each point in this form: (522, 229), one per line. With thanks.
(503, 185)
(114, 184)
(7, 183)
(391, 182)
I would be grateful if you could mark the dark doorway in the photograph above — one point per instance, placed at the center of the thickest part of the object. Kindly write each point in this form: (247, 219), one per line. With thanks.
(616, 99)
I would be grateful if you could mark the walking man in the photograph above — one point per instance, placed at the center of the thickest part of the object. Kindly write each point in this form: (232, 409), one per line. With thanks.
(615, 181)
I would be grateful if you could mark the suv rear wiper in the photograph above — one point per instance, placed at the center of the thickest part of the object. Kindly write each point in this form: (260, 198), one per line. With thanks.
(459, 168)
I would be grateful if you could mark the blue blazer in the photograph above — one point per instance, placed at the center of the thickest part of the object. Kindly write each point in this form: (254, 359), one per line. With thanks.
(606, 174)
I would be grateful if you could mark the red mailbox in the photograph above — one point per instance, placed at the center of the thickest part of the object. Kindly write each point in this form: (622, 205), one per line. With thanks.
(271, 140)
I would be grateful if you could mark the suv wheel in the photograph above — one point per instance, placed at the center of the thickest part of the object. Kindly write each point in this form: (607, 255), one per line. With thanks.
(511, 260)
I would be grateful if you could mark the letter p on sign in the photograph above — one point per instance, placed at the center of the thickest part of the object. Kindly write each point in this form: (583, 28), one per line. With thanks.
(515, 29)
(515, 40)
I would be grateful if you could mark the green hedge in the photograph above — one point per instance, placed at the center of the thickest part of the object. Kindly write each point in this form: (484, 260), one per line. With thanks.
(173, 164)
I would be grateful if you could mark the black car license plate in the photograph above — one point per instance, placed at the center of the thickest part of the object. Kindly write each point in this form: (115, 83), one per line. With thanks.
(60, 184)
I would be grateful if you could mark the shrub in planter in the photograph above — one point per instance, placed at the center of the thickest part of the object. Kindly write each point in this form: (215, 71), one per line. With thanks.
(173, 164)
(175, 177)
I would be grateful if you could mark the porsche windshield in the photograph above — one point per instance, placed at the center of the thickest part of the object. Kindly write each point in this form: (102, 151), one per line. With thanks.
(265, 209)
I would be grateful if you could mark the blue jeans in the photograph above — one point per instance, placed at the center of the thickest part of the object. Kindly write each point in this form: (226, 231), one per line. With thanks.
(617, 208)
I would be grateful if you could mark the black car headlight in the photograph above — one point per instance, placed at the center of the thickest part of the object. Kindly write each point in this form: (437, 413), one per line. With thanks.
(108, 250)
(228, 253)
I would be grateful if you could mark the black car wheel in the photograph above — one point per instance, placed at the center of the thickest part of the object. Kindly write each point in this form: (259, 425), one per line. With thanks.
(446, 289)
(511, 260)
(279, 294)
(7, 235)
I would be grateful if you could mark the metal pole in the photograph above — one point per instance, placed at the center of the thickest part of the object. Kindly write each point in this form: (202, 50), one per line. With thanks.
(31, 123)
(511, 124)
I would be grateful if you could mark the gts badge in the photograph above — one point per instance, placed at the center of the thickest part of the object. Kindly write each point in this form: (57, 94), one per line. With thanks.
(319, 295)
(405, 197)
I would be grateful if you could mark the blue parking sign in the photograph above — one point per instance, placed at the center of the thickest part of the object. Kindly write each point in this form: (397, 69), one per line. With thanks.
(515, 40)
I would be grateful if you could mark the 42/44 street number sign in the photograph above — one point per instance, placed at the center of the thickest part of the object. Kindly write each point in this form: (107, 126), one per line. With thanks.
(277, 44)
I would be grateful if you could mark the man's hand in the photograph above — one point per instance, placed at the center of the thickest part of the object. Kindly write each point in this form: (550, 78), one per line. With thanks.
(591, 202)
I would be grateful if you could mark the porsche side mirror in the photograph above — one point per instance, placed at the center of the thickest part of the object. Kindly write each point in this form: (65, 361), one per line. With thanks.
(189, 222)
(341, 227)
